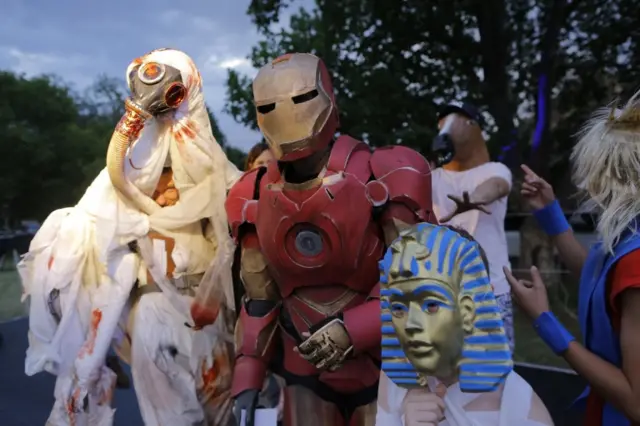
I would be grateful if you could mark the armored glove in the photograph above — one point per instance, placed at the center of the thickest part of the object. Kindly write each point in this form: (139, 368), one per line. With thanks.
(327, 344)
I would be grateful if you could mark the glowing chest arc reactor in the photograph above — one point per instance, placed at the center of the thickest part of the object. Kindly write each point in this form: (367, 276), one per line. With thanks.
(308, 242)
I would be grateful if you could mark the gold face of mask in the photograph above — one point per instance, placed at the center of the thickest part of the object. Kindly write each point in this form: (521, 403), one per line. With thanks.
(439, 314)
(293, 105)
(428, 323)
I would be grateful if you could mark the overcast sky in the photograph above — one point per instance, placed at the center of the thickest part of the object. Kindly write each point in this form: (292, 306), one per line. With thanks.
(78, 40)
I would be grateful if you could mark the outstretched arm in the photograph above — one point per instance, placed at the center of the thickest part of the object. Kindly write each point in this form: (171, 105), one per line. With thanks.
(551, 219)
(620, 386)
(491, 190)
(571, 251)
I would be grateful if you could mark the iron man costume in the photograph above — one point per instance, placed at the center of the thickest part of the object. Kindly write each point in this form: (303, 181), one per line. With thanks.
(310, 249)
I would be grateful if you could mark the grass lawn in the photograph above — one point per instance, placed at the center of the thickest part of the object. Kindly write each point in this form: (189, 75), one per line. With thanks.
(10, 292)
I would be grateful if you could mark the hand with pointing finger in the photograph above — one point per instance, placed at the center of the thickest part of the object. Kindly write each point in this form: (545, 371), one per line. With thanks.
(531, 296)
(463, 204)
(536, 191)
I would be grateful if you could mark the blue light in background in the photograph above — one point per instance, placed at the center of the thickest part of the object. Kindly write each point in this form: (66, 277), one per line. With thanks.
(508, 147)
(542, 107)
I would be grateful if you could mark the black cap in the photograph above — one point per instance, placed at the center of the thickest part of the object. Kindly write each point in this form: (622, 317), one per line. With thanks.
(464, 108)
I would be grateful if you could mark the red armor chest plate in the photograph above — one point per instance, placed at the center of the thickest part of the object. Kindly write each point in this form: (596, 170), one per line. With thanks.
(322, 236)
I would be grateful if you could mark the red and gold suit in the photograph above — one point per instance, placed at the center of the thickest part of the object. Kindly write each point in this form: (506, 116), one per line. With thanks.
(312, 227)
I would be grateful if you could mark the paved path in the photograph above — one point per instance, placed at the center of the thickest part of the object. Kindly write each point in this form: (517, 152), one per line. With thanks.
(26, 401)
(558, 391)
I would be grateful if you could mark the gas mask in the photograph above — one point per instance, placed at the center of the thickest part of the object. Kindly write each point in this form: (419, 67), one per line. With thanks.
(156, 88)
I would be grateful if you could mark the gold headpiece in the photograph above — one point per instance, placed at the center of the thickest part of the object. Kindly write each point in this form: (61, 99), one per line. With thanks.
(432, 253)
(629, 116)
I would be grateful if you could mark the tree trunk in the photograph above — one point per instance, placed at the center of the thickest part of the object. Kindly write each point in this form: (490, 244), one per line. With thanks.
(542, 144)
(536, 248)
(491, 17)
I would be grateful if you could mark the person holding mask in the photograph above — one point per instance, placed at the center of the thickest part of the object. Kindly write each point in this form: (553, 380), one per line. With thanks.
(442, 331)
(259, 155)
(606, 162)
(470, 192)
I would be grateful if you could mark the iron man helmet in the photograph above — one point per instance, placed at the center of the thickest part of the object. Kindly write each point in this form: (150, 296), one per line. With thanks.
(295, 105)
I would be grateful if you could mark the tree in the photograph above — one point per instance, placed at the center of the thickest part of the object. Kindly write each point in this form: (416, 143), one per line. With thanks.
(53, 142)
(394, 62)
(235, 155)
(101, 106)
(43, 148)
(539, 67)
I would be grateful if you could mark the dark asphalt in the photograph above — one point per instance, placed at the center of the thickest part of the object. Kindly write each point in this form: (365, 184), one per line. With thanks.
(557, 391)
(26, 401)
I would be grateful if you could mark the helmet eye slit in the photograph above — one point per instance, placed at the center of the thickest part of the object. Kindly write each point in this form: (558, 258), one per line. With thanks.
(305, 97)
(265, 109)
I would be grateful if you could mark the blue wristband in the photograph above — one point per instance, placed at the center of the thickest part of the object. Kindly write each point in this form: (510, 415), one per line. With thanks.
(553, 332)
(551, 219)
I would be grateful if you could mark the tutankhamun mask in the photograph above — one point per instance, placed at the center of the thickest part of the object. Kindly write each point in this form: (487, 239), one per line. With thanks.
(439, 313)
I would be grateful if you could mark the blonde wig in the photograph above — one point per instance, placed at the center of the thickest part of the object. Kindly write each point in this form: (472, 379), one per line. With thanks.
(606, 164)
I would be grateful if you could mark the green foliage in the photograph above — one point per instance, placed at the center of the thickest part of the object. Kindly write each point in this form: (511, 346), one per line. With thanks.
(236, 156)
(215, 129)
(394, 62)
(42, 146)
(53, 142)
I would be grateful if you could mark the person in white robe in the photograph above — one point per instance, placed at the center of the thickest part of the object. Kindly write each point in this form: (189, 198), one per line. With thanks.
(470, 192)
(123, 268)
(513, 403)
(445, 355)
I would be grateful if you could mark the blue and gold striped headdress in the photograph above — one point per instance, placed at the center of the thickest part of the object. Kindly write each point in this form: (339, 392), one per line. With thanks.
(427, 252)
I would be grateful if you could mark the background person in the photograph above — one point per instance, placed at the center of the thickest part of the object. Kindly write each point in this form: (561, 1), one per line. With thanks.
(470, 192)
(259, 155)
(272, 394)
(606, 163)
(447, 337)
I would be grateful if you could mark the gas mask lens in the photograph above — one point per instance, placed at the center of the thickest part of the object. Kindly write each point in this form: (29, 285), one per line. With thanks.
(151, 72)
(174, 95)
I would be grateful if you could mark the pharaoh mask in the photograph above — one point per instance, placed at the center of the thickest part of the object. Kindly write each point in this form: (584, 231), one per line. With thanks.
(439, 314)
